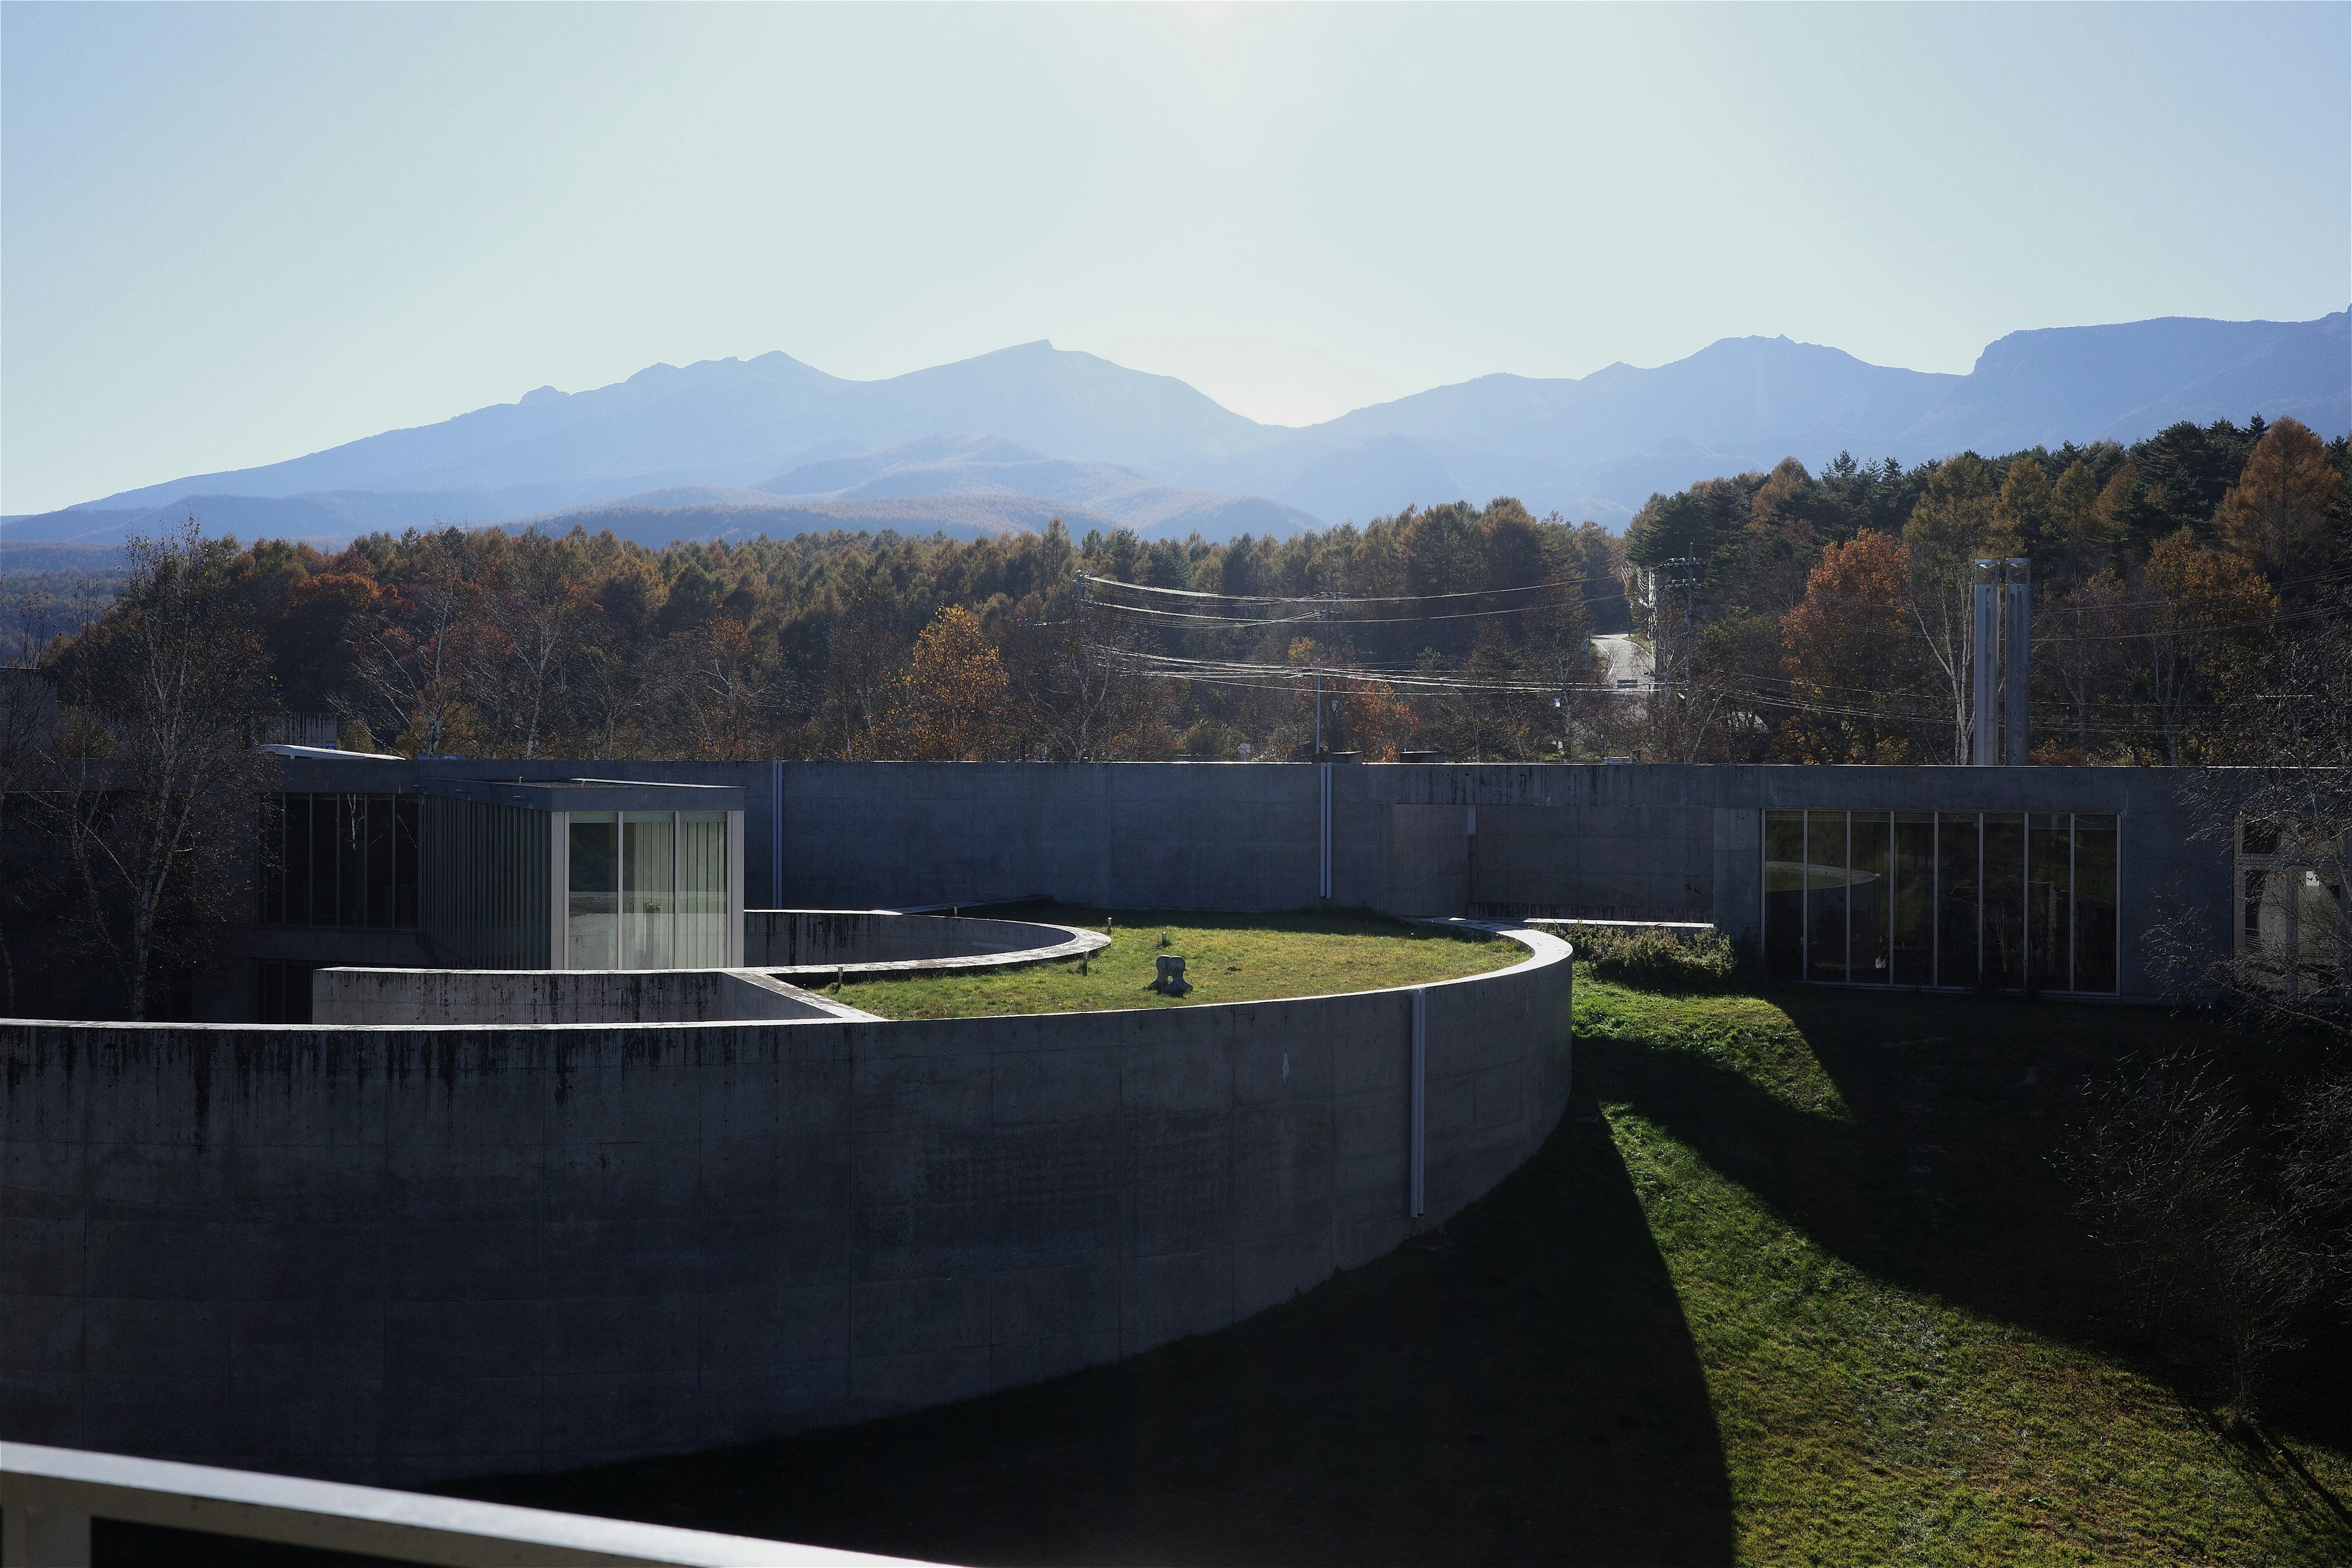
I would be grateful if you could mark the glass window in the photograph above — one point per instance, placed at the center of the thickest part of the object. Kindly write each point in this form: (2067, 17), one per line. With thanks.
(2095, 903)
(1913, 892)
(1825, 895)
(323, 860)
(1958, 851)
(351, 859)
(273, 859)
(381, 880)
(702, 890)
(297, 823)
(1784, 894)
(2048, 899)
(1867, 899)
(1999, 900)
(649, 888)
(404, 861)
(339, 860)
(592, 921)
(2004, 901)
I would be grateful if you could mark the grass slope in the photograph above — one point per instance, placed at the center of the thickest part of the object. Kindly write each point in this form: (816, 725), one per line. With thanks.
(1912, 1355)
(1228, 958)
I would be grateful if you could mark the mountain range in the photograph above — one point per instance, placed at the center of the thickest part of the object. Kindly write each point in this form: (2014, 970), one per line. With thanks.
(729, 448)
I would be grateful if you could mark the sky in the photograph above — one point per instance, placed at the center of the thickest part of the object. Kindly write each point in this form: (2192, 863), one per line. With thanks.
(232, 234)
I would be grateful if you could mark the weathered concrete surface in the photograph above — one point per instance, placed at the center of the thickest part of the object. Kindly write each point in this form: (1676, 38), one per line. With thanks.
(414, 996)
(1646, 841)
(813, 942)
(396, 1254)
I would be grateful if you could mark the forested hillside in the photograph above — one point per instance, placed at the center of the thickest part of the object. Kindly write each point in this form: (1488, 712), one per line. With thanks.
(1828, 613)
(1826, 622)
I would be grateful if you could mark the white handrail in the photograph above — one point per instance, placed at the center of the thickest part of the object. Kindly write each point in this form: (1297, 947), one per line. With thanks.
(48, 1496)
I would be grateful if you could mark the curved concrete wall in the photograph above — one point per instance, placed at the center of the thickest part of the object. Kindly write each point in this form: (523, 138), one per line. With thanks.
(814, 941)
(397, 1254)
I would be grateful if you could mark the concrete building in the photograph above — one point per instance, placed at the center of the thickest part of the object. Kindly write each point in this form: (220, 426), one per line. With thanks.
(1950, 877)
(557, 1169)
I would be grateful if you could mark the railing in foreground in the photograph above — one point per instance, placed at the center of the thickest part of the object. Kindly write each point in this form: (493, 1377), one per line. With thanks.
(48, 1496)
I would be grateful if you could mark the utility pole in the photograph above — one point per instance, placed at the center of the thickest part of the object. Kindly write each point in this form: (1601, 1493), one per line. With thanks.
(1682, 571)
(1323, 613)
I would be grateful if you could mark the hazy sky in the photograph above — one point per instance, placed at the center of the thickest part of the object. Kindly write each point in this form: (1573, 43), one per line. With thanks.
(232, 234)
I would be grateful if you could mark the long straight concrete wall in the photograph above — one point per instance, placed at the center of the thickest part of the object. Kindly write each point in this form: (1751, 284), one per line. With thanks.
(397, 1254)
(412, 997)
(1626, 842)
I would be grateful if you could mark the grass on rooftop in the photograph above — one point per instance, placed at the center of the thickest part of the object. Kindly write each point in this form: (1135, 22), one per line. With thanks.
(1227, 958)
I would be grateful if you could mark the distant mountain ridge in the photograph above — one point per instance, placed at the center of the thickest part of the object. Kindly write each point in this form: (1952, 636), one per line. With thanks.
(1032, 431)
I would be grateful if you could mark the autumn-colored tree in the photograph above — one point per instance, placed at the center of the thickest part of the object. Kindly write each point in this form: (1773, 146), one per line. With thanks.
(151, 811)
(2079, 655)
(2279, 513)
(950, 697)
(1946, 534)
(411, 658)
(2208, 616)
(1849, 648)
(2020, 514)
(2077, 542)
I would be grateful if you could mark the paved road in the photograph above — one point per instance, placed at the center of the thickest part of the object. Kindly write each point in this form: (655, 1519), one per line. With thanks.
(1629, 661)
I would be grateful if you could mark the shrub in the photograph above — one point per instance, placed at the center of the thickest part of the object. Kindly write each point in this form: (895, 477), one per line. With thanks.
(1656, 958)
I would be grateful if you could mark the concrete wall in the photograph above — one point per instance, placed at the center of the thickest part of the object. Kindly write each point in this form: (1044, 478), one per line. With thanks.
(410, 996)
(397, 1254)
(866, 941)
(1626, 842)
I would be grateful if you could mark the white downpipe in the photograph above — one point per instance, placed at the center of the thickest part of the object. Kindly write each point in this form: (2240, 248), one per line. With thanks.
(1416, 1197)
(775, 836)
(1323, 884)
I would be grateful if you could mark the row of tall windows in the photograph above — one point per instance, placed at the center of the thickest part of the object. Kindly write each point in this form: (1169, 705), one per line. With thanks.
(647, 890)
(2006, 900)
(339, 860)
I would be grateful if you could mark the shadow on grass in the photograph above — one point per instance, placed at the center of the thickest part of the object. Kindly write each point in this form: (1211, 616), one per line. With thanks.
(1519, 1388)
(1942, 1181)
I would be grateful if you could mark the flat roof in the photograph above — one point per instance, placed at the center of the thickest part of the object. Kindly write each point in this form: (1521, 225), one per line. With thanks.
(590, 794)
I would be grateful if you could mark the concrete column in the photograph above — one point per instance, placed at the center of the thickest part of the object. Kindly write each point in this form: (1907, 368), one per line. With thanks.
(2016, 655)
(1984, 749)
(1416, 1161)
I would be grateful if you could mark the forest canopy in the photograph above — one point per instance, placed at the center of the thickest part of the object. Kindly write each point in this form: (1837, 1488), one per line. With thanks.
(1785, 615)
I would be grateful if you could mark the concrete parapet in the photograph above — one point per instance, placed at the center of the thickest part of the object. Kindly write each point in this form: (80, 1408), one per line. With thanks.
(414, 996)
(815, 943)
(399, 1253)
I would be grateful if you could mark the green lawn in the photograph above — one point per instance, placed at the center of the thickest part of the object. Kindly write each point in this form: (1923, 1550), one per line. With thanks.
(1228, 958)
(1791, 1284)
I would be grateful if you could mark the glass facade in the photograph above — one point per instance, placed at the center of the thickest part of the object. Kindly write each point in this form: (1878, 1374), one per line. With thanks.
(646, 889)
(1992, 901)
(339, 860)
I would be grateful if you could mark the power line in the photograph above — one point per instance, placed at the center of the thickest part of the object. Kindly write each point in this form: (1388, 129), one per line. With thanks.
(1339, 598)
(1319, 620)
